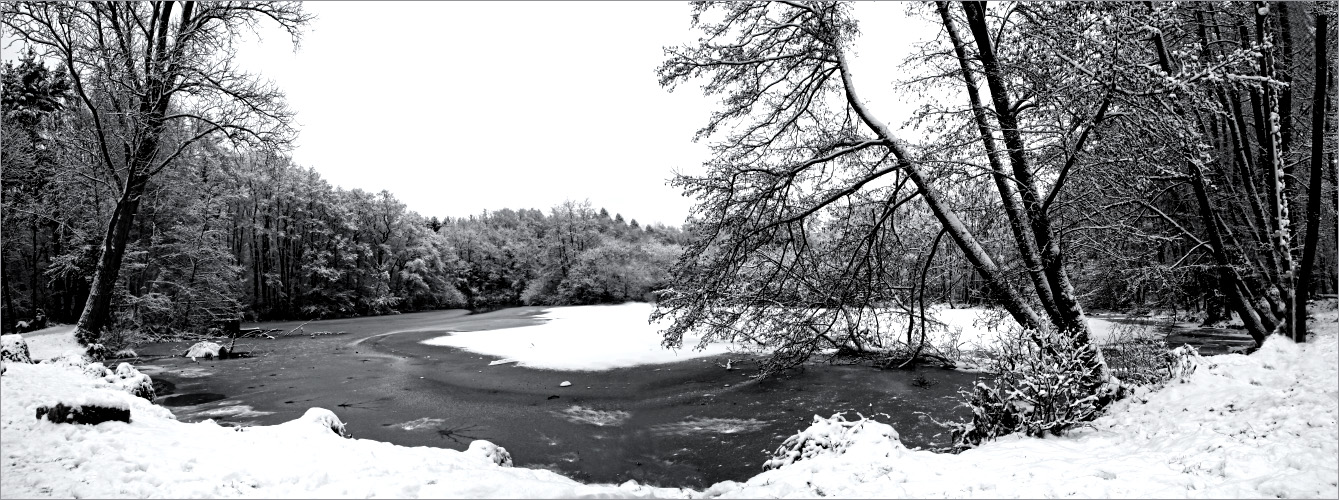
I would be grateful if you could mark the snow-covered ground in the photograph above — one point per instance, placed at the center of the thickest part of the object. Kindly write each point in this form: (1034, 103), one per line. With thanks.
(582, 338)
(51, 342)
(1240, 426)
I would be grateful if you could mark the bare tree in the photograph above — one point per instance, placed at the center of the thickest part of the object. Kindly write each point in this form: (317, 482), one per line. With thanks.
(1317, 174)
(804, 170)
(156, 77)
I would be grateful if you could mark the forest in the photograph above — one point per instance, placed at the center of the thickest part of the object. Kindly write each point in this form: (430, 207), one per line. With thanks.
(1123, 156)
(1171, 163)
(227, 231)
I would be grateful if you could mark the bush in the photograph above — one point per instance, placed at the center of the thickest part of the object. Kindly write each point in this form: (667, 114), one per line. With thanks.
(14, 348)
(1038, 390)
(1053, 388)
(1138, 355)
(833, 436)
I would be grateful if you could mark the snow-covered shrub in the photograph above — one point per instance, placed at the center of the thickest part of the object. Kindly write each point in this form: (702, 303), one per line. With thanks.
(97, 351)
(206, 349)
(832, 436)
(1181, 362)
(490, 451)
(13, 348)
(125, 377)
(128, 379)
(1137, 354)
(95, 369)
(124, 354)
(1037, 390)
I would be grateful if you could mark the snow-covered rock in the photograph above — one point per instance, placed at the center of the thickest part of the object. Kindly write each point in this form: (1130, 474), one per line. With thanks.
(14, 349)
(206, 349)
(565, 384)
(89, 414)
(491, 452)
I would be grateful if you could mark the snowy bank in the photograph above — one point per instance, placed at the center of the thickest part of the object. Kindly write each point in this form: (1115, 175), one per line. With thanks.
(1240, 427)
(156, 456)
(52, 342)
(1262, 425)
(582, 338)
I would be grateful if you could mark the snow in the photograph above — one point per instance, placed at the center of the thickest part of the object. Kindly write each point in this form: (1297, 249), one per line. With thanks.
(1241, 426)
(13, 348)
(52, 342)
(1264, 425)
(156, 456)
(581, 338)
(204, 349)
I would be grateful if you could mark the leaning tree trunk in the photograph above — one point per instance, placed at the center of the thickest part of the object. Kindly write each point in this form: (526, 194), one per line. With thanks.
(1012, 206)
(1066, 312)
(97, 309)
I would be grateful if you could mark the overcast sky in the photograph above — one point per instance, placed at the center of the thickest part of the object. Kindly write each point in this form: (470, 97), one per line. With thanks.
(458, 107)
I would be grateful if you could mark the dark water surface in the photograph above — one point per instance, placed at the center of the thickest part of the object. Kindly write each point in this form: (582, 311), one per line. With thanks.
(1208, 341)
(685, 424)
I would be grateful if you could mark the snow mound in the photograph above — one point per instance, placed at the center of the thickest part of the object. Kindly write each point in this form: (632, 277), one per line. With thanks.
(206, 349)
(318, 418)
(14, 349)
(493, 453)
(835, 436)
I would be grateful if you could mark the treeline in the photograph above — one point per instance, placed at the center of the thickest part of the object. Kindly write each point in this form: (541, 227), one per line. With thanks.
(229, 230)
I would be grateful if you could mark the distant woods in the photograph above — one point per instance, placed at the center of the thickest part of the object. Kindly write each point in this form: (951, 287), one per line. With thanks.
(227, 230)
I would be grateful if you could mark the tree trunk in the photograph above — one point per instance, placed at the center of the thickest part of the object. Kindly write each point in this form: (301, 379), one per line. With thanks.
(1068, 313)
(97, 309)
(1012, 206)
(1278, 199)
(1314, 192)
(8, 314)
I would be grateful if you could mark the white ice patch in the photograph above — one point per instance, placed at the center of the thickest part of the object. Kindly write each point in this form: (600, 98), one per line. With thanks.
(190, 373)
(696, 425)
(421, 424)
(231, 409)
(598, 418)
(582, 338)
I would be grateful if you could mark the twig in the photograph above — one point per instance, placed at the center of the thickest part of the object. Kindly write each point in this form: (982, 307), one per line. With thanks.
(299, 327)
